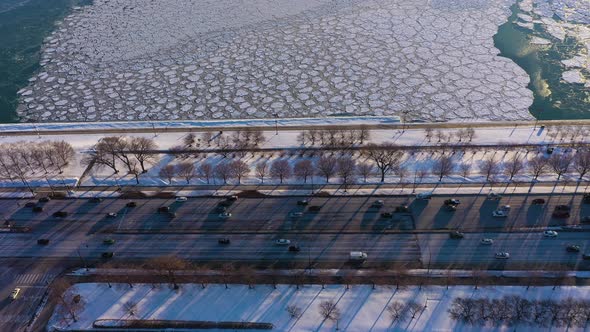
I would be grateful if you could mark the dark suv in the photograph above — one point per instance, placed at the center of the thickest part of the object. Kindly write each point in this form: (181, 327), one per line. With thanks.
(456, 235)
(60, 214)
(561, 211)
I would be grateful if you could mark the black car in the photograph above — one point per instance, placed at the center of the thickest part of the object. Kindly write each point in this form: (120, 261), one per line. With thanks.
(561, 211)
(223, 241)
(44, 199)
(386, 215)
(43, 241)
(573, 248)
(585, 220)
(302, 202)
(131, 204)
(107, 254)
(402, 209)
(315, 208)
(37, 209)
(294, 249)
(452, 201)
(30, 204)
(586, 198)
(95, 200)
(456, 235)
(164, 209)
(538, 201)
(232, 198)
(586, 256)
(60, 214)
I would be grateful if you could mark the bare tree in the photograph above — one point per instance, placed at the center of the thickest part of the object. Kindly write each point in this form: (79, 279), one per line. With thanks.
(415, 308)
(130, 307)
(326, 166)
(223, 171)
(64, 154)
(582, 162)
(365, 170)
(207, 137)
(240, 169)
(205, 171)
(294, 311)
(189, 139)
(329, 310)
(262, 170)
(397, 311)
(514, 166)
(281, 169)
(345, 168)
(465, 169)
(443, 166)
(167, 172)
(257, 138)
(463, 310)
(168, 265)
(560, 163)
(385, 156)
(303, 169)
(142, 149)
(490, 168)
(186, 170)
(364, 134)
(538, 165)
(428, 131)
(540, 312)
(39, 157)
(70, 303)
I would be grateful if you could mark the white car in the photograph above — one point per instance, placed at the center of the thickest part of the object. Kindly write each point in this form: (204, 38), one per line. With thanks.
(487, 241)
(282, 242)
(550, 234)
(502, 255)
(504, 208)
(14, 293)
(224, 215)
(500, 214)
(112, 214)
(181, 199)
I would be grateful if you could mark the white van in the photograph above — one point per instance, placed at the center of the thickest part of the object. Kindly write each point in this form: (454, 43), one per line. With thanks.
(424, 195)
(358, 255)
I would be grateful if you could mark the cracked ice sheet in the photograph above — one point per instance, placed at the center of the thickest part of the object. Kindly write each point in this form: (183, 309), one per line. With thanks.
(138, 60)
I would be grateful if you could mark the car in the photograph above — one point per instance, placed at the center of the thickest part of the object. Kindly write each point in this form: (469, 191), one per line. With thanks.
(586, 256)
(95, 200)
(550, 150)
(38, 209)
(163, 209)
(107, 254)
(452, 201)
(223, 240)
(15, 293)
(378, 203)
(296, 214)
(30, 204)
(108, 241)
(502, 255)
(561, 211)
(232, 198)
(181, 199)
(43, 241)
(562, 208)
(456, 235)
(303, 202)
(487, 241)
(586, 198)
(402, 209)
(424, 195)
(224, 215)
(550, 234)
(494, 196)
(500, 214)
(505, 208)
(44, 199)
(131, 204)
(112, 215)
(315, 208)
(386, 215)
(220, 209)
(294, 248)
(60, 214)
(451, 208)
(538, 201)
(585, 220)
(572, 248)
(282, 242)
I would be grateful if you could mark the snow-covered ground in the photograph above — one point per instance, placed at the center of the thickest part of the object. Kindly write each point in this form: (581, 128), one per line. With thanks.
(287, 139)
(181, 59)
(362, 308)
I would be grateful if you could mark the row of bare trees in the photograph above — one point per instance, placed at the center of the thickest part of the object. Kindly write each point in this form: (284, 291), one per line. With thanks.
(441, 136)
(23, 160)
(512, 310)
(334, 137)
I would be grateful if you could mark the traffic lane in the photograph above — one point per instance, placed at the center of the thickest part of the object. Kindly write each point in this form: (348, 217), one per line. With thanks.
(527, 248)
